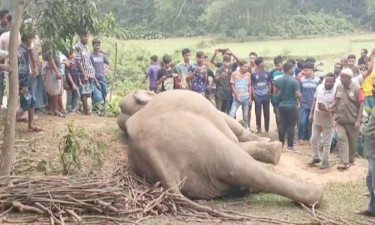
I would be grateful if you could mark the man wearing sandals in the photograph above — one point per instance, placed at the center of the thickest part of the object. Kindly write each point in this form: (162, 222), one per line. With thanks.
(27, 98)
(370, 153)
(349, 108)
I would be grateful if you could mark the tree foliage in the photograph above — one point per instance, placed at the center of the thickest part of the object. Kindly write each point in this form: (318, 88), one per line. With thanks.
(236, 18)
(58, 21)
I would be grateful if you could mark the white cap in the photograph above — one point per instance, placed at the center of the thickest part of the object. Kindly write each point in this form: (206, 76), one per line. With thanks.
(347, 71)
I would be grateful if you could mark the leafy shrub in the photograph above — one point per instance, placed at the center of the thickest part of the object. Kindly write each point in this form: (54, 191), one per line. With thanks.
(113, 108)
(75, 145)
(311, 24)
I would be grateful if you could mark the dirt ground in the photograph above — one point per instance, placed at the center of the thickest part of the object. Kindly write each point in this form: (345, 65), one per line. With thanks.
(44, 147)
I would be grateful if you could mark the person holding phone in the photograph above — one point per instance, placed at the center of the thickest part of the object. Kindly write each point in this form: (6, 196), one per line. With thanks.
(322, 120)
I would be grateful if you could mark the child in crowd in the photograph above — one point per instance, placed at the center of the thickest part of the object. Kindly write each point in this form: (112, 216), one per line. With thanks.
(72, 73)
(52, 78)
(152, 73)
(27, 99)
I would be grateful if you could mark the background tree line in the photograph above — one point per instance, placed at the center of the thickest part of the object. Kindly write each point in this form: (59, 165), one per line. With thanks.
(148, 19)
(240, 18)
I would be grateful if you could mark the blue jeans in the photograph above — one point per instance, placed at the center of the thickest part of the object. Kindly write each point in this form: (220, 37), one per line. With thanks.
(304, 132)
(370, 181)
(245, 110)
(2, 87)
(75, 97)
(370, 103)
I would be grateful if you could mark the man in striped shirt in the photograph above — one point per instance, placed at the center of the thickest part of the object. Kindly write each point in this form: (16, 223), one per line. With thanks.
(307, 88)
(88, 75)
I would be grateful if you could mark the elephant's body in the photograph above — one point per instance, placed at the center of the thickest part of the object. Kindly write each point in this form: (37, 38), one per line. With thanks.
(180, 137)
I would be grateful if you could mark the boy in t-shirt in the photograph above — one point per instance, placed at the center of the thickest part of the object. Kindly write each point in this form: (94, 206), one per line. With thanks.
(101, 66)
(73, 72)
(27, 99)
(152, 73)
(167, 77)
(241, 89)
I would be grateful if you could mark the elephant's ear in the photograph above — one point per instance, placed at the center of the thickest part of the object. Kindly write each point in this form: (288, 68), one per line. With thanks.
(143, 97)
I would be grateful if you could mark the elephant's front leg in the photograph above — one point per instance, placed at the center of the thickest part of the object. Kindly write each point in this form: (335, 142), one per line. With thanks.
(268, 152)
(242, 134)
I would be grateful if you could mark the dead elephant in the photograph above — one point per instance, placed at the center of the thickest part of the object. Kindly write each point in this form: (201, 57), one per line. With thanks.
(179, 134)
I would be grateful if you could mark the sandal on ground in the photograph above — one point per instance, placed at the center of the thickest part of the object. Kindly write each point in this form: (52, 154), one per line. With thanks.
(34, 129)
(343, 166)
(59, 114)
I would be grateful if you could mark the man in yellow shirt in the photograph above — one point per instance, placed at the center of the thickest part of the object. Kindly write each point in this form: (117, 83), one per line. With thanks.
(367, 84)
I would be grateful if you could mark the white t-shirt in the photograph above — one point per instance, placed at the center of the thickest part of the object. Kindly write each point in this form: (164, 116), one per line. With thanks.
(327, 97)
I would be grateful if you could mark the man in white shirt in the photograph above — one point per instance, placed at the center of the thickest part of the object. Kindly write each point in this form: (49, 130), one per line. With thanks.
(322, 120)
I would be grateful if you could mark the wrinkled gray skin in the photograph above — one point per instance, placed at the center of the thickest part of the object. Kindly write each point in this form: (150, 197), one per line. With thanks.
(178, 135)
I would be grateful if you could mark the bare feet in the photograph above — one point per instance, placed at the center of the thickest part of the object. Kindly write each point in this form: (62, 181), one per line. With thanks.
(34, 129)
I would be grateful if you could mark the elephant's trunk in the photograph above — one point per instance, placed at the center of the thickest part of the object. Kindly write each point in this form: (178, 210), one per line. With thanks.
(251, 175)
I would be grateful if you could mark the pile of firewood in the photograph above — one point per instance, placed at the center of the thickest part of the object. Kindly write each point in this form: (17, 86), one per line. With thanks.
(118, 199)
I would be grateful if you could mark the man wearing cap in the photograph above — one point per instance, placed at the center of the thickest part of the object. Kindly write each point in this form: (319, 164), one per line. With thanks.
(370, 154)
(307, 87)
(349, 107)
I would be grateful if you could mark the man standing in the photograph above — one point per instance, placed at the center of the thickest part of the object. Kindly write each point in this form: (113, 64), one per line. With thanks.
(277, 73)
(322, 120)
(88, 69)
(101, 66)
(27, 99)
(252, 57)
(307, 87)
(222, 80)
(349, 107)
(4, 26)
(369, 76)
(289, 98)
(351, 65)
(241, 88)
(152, 73)
(261, 89)
(197, 77)
(337, 69)
(183, 67)
(370, 154)
(362, 61)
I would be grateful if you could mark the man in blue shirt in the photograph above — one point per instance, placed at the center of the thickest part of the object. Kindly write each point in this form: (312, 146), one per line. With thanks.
(307, 88)
(27, 99)
(261, 86)
(197, 76)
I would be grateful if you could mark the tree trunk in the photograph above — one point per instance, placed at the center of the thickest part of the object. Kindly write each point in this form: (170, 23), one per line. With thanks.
(7, 153)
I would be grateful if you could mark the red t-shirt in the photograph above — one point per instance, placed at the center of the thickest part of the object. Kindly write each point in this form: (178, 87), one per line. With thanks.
(361, 96)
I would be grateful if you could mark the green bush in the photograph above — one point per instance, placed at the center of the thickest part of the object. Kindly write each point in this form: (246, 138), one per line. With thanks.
(311, 24)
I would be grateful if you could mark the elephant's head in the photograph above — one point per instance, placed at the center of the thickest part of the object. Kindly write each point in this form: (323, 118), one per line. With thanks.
(131, 104)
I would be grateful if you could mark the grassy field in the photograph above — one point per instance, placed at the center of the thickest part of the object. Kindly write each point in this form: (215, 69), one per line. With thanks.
(326, 49)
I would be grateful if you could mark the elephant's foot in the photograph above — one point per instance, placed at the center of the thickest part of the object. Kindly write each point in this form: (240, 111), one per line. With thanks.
(268, 152)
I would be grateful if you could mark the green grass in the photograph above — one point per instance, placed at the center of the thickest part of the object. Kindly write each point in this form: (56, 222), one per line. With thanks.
(340, 201)
(327, 49)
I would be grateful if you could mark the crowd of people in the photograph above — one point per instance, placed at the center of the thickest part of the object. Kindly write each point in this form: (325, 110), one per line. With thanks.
(46, 75)
(327, 109)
